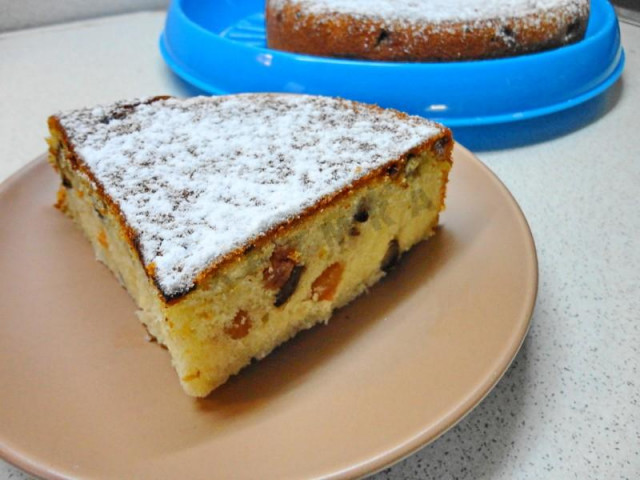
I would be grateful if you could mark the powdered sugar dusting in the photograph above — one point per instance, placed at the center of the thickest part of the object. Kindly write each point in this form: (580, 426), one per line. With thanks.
(197, 178)
(418, 11)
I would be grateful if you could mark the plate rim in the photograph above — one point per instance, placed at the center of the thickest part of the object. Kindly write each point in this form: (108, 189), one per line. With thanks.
(606, 76)
(615, 71)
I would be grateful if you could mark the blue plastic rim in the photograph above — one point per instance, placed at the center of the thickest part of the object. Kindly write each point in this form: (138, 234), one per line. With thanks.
(219, 47)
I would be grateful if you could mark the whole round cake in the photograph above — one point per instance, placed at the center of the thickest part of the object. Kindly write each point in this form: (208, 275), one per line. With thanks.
(424, 30)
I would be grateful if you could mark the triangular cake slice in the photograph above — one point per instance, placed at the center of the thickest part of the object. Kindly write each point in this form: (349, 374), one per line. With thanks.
(236, 221)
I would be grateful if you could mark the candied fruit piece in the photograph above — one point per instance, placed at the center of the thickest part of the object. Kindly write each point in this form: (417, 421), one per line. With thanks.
(325, 286)
(240, 325)
(281, 264)
(290, 286)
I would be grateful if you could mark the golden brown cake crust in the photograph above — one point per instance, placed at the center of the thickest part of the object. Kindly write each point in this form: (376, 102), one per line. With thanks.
(291, 28)
(441, 142)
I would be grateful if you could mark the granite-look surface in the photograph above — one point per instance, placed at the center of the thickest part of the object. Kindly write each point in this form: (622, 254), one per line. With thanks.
(15, 15)
(568, 408)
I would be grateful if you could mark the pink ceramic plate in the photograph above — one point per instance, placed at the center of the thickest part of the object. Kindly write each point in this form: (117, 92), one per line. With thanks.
(84, 395)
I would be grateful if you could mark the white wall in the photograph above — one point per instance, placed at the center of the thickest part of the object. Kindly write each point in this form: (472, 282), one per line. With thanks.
(17, 14)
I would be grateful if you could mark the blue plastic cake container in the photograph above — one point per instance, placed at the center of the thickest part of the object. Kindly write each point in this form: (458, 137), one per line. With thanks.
(219, 47)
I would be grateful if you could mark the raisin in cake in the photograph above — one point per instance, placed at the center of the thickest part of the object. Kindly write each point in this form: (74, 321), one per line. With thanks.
(424, 30)
(235, 222)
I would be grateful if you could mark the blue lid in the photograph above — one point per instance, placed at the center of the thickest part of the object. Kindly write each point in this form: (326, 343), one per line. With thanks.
(220, 47)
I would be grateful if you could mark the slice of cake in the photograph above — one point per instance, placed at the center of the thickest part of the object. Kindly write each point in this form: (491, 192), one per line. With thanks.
(235, 222)
(424, 30)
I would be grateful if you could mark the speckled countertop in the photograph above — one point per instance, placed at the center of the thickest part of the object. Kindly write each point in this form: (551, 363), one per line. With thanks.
(569, 407)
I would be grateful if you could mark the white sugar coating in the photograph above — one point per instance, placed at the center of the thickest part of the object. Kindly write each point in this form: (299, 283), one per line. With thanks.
(197, 178)
(436, 11)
